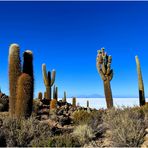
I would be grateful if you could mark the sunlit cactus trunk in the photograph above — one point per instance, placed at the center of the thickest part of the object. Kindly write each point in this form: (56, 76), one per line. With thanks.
(108, 94)
(140, 83)
(106, 73)
(14, 73)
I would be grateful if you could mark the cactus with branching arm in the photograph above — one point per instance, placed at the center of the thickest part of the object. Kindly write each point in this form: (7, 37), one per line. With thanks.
(48, 80)
(103, 64)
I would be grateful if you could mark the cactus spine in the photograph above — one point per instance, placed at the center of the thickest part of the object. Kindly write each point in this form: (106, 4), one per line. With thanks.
(74, 102)
(14, 73)
(104, 68)
(40, 96)
(48, 80)
(140, 83)
(24, 95)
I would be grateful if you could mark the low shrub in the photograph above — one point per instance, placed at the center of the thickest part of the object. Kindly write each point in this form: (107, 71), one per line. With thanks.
(65, 140)
(127, 126)
(23, 132)
(84, 133)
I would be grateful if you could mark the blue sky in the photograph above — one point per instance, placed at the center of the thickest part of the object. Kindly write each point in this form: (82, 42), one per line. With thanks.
(67, 35)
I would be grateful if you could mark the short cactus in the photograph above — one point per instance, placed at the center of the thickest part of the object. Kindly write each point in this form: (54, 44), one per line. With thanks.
(55, 92)
(140, 83)
(104, 68)
(74, 102)
(14, 73)
(87, 104)
(24, 96)
(53, 104)
(40, 96)
(64, 99)
(48, 80)
(45, 95)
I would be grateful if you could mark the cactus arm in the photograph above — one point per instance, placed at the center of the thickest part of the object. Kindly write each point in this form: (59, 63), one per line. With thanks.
(111, 75)
(54, 95)
(104, 68)
(53, 77)
(108, 68)
(45, 76)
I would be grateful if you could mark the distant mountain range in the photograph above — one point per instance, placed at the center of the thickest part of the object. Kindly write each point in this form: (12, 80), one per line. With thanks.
(89, 96)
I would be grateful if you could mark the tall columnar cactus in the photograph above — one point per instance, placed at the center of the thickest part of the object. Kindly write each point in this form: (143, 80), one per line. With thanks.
(140, 83)
(48, 80)
(74, 102)
(28, 69)
(24, 96)
(14, 73)
(40, 96)
(53, 104)
(104, 68)
(64, 99)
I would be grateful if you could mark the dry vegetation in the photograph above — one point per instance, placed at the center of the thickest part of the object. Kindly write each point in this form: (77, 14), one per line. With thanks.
(126, 125)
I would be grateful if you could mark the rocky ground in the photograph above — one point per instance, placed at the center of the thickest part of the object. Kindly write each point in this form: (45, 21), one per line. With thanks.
(60, 119)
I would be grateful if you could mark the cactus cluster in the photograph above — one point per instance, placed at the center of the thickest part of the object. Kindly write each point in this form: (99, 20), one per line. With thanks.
(104, 68)
(21, 83)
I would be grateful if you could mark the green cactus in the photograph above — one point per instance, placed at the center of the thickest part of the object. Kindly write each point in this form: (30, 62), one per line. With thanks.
(106, 73)
(40, 96)
(140, 83)
(74, 102)
(55, 92)
(48, 80)
(14, 73)
(64, 99)
(24, 96)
